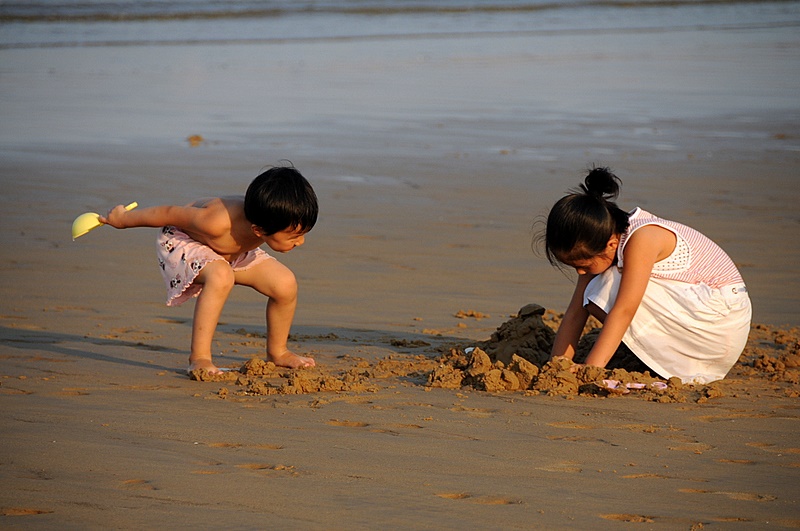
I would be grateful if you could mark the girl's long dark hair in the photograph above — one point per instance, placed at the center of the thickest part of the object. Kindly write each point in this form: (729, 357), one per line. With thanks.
(580, 224)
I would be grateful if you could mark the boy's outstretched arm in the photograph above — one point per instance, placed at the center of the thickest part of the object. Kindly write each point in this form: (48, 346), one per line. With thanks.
(185, 217)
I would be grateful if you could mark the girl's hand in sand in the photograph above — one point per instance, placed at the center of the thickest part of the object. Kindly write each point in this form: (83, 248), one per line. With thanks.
(575, 367)
(291, 360)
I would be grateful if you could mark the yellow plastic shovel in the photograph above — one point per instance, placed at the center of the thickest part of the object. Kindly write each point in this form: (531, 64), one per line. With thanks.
(90, 221)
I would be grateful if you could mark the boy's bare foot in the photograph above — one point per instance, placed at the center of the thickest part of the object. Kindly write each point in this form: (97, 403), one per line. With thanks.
(291, 360)
(203, 363)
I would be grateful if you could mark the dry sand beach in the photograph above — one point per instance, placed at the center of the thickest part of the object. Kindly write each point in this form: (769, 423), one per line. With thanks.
(433, 154)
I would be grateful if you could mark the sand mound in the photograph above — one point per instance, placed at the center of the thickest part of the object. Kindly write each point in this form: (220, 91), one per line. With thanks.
(355, 375)
(516, 358)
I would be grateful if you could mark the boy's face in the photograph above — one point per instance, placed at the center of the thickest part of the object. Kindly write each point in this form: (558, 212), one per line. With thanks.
(285, 240)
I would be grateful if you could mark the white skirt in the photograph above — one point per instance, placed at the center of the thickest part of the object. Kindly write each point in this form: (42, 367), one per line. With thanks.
(691, 331)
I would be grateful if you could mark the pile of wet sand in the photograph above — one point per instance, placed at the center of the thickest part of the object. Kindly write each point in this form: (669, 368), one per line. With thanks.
(516, 359)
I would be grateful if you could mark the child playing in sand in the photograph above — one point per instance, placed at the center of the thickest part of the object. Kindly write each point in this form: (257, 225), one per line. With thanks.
(207, 246)
(667, 292)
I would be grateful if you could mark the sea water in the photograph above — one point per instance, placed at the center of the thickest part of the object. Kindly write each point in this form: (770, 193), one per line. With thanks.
(129, 22)
(241, 71)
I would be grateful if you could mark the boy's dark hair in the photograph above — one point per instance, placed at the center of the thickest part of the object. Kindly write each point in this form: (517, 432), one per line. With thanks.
(281, 198)
(580, 224)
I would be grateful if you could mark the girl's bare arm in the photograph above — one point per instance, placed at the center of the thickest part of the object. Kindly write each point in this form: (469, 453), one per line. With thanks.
(569, 332)
(644, 248)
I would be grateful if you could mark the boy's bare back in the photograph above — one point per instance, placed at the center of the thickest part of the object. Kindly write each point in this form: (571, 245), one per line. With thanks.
(218, 222)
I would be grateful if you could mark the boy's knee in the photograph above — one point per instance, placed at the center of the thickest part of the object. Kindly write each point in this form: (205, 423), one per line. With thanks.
(218, 274)
(285, 286)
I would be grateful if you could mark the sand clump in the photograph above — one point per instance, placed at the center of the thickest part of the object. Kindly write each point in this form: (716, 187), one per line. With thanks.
(772, 353)
(479, 371)
(517, 358)
(258, 377)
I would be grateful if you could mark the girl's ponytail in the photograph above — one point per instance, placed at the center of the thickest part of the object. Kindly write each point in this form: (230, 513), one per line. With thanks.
(601, 183)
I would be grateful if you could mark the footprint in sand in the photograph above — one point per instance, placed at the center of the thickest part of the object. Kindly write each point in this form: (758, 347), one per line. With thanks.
(684, 523)
(240, 445)
(646, 475)
(736, 461)
(768, 447)
(495, 500)
(5, 390)
(634, 518)
(288, 470)
(482, 500)
(481, 413)
(743, 496)
(21, 511)
(347, 423)
(571, 424)
(74, 391)
(170, 321)
(396, 429)
(454, 495)
(236, 446)
(386, 431)
(138, 484)
(697, 448)
(564, 466)
(579, 438)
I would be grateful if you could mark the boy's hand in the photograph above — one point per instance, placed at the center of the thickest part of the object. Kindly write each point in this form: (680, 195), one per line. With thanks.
(115, 217)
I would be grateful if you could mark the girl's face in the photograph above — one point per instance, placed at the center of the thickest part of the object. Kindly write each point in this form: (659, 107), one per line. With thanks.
(598, 263)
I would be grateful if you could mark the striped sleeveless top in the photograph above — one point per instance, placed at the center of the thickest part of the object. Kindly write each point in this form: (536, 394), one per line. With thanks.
(696, 259)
